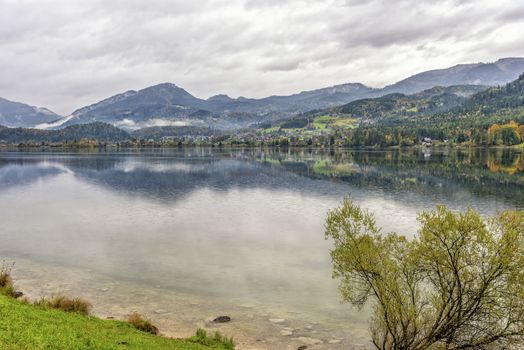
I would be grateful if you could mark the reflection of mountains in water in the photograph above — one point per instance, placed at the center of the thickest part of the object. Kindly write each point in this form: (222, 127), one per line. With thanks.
(169, 180)
(162, 178)
(17, 172)
(171, 176)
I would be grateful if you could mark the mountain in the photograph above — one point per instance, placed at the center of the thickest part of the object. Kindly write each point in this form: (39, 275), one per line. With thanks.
(167, 105)
(428, 102)
(15, 114)
(277, 106)
(441, 107)
(395, 106)
(495, 105)
(136, 109)
(439, 112)
(509, 96)
(94, 131)
(163, 105)
(490, 74)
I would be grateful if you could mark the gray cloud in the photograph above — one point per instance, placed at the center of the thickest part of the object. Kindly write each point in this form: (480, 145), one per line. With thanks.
(65, 54)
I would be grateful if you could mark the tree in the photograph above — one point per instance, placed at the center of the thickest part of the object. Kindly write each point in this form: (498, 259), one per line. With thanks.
(510, 133)
(510, 136)
(459, 284)
(494, 134)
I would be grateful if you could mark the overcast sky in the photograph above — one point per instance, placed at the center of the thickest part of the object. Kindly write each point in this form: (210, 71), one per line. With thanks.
(66, 54)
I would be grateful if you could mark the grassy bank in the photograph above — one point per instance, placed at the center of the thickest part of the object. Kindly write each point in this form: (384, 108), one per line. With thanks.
(29, 327)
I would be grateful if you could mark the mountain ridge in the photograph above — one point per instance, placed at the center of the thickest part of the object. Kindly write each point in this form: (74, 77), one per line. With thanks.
(168, 104)
(464, 113)
(495, 73)
(395, 105)
(17, 114)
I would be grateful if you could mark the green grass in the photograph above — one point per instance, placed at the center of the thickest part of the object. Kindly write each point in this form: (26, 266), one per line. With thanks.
(324, 118)
(348, 123)
(202, 337)
(322, 122)
(27, 327)
(327, 122)
(270, 130)
(319, 126)
(66, 304)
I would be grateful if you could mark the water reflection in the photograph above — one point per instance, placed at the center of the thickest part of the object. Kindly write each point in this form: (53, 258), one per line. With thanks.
(170, 174)
(232, 224)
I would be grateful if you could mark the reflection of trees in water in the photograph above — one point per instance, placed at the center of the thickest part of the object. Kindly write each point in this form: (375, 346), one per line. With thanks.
(503, 160)
(497, 172)
(171, 174)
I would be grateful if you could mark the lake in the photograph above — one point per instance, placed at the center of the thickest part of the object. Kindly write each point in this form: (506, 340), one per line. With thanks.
(185, 235)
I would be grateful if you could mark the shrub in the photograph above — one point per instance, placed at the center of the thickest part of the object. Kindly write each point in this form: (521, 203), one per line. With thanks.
(6, 283)
(142, 324)
(216, 340)
(66, 304)
(5, 274)
(459, 284)
(9, 291)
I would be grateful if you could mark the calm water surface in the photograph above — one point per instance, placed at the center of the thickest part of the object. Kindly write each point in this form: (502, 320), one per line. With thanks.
(185, 235)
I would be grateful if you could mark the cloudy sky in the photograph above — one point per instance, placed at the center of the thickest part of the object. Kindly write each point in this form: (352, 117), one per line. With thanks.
(63, 54)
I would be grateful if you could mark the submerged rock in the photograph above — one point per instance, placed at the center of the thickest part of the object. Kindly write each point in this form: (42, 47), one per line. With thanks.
(302, 347)
(277, 320)
(222, 319)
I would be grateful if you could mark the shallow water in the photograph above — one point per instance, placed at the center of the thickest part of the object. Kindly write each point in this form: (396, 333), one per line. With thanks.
(186, 235)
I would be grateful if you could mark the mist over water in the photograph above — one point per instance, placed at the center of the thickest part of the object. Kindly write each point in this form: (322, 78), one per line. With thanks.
(232, 226)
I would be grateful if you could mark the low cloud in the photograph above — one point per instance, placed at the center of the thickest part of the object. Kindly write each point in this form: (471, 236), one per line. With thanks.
(132, 125)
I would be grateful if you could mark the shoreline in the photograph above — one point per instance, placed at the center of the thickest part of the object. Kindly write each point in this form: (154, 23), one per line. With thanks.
(178, 315)
(114, 147)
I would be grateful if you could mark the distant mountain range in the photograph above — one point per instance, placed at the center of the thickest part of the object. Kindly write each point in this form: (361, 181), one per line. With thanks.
(490, 74)
(15, 114)
(486, 107)
(446, 109)
(167, 105)
(468, 105)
